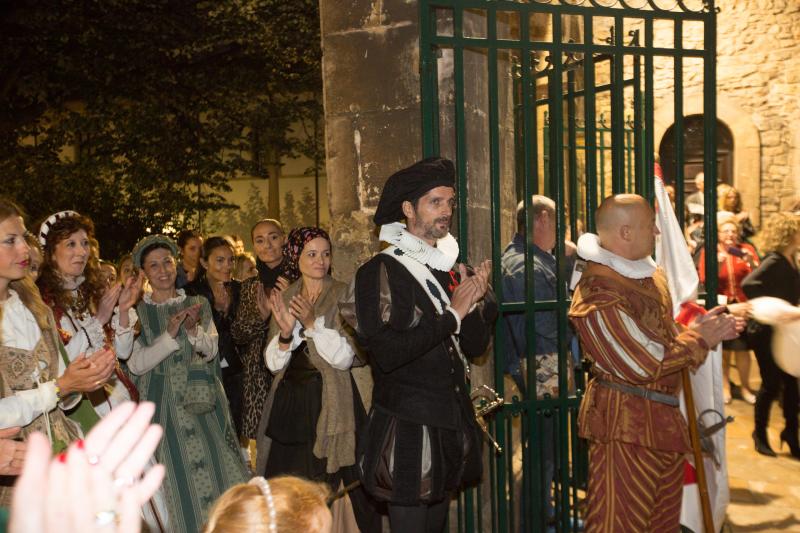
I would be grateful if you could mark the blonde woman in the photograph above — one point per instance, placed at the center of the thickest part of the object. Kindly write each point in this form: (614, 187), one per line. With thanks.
(37, 380)
(283, 503)
(777, 276)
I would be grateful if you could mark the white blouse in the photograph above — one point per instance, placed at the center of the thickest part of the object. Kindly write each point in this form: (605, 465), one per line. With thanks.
(21, 331)
(331, 345)
(89, 337)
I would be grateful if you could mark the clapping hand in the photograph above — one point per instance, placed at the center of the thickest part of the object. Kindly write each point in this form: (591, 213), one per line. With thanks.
(12, 452)
(130, 292)
(482, 277)
(262, 302)
(192, 319)
(107, 303)
(188, 317)
(283, 318)
(282, 283)
(87, 374)
(303, 310)
(472, 288)
(716, 326)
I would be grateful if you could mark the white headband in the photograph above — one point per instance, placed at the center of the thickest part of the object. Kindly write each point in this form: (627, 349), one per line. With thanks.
(44, 229)
(263, 484)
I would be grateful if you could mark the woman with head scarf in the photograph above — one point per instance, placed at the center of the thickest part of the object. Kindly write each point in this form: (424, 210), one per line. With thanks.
(175, 365)
(251, 324)
(308, 427)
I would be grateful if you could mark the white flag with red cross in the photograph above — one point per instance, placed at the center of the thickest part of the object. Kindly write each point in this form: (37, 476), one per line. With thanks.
(673, 256)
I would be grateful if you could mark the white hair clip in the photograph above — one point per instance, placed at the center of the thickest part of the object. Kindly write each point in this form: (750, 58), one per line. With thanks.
(44, 229)
(263, 484)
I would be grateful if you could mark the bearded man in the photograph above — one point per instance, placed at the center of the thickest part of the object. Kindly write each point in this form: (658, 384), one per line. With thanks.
(421, 317)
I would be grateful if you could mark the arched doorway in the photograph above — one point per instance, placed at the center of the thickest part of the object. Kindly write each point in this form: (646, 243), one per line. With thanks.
(693, 153)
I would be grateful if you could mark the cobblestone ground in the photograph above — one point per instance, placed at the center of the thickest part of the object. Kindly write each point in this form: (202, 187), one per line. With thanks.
(765, 491)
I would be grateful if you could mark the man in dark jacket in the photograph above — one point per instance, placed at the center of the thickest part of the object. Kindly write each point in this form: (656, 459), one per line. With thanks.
(421, 317)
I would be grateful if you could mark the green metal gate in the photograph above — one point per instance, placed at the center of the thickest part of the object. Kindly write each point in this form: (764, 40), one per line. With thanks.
(512, 91)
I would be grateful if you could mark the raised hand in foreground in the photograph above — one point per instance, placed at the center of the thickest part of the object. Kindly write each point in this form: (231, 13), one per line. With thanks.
(105, 470)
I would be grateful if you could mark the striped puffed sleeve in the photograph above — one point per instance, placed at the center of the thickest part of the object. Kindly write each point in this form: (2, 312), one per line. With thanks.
(618, 346)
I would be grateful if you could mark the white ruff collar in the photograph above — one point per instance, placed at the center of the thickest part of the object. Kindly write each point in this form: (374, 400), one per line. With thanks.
(180, 295)
(72, 285)
(589, 248)
(441, 257)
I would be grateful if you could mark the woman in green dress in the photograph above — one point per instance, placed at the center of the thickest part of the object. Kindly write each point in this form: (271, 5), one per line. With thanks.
(175, 365)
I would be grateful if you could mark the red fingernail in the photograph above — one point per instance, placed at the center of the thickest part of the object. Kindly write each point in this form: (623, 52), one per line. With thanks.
(62, 457)
(79, 444)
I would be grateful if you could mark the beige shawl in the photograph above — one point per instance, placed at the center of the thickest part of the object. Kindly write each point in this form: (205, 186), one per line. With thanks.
(336, 428)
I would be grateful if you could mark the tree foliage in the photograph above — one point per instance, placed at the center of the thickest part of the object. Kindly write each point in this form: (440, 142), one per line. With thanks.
(138, 112)
(307, 208)
(289, 216)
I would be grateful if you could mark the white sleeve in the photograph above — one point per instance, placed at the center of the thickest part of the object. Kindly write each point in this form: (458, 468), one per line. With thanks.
(276, 358)
(123, 337)
(89, 338)
(145, 358)
(24, 406)
(331, 345)
(205, 342)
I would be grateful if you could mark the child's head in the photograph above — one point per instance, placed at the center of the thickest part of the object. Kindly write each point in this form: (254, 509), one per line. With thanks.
(290, 503)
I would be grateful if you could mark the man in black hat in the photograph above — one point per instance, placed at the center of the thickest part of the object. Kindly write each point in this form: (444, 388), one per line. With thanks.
(421, 317)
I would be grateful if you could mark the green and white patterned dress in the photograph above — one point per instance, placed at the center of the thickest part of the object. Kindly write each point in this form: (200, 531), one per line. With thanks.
(182, 377)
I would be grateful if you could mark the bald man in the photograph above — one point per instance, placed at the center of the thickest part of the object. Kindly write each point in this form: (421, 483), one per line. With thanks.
(622, 313)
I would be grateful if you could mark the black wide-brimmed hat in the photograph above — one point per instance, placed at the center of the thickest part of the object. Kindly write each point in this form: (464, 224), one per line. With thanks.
(412, 183)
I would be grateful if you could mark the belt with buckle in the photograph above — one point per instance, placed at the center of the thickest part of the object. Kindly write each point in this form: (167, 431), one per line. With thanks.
(647, 394)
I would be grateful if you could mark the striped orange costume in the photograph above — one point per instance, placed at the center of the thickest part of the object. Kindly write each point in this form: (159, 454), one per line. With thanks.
(637, 435)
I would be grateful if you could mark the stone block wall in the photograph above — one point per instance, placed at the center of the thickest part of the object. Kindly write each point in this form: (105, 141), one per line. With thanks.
(758, 83)
(372, 113)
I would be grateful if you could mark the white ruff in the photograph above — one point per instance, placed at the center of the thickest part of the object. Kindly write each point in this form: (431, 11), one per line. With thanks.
(441, 257)
(589, 248)
(180, 295)
(416, 254)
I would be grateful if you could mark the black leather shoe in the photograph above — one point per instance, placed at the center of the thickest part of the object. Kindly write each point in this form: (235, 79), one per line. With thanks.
(791, 438)
(762, 445)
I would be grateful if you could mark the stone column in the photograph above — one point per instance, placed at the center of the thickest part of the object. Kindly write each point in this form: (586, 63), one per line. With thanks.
(373, 127)
(371, 91)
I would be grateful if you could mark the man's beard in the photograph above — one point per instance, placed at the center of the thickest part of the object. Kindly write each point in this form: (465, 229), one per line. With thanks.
(432, 231)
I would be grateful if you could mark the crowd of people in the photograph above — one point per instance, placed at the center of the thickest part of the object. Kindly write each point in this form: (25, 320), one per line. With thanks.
(246, 363)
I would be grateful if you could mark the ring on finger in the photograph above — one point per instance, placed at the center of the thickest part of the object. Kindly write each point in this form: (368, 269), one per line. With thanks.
(105, 518)
(124, 482)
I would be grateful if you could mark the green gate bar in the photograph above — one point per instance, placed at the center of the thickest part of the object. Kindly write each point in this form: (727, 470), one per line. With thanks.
(518, 425)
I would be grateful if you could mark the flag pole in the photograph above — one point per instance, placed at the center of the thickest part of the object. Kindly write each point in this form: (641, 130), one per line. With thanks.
(699, 464)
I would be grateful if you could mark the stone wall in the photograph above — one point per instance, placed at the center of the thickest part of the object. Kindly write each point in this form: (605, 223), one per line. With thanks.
(758, 82)
(372, 113)
(373, 124)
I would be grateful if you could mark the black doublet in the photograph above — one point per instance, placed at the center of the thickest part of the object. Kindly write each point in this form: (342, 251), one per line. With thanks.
(419, 380)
